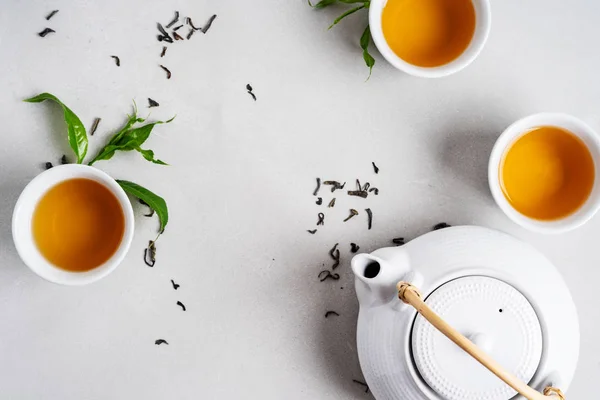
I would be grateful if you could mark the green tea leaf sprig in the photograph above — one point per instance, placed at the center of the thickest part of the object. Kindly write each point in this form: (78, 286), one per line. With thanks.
(77, 136)
(325, 3)
(158, 205)
(154, 201)
(366, 36)
(349, 12)
(365, 39)
(126, 139)
(129, 138)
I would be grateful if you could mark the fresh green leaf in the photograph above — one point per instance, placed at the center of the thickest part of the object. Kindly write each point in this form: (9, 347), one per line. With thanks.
(325, 3)
(321, 4)
(128, 139)
(344, 15)
(364, 44)
(78, 139)
(154, 201)
(149, 155)
(131, 120)
(365, 38)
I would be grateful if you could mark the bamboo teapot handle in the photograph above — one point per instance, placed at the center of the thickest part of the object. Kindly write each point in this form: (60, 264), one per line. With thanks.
(410, 295)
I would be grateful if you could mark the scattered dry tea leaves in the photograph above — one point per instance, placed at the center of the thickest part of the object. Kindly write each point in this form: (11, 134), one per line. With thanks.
(324, 275)
(52, 14)
(370, 217)
(167, 71)
(45, 32)
(318, 187)
(95, 126)
(362, 384)
(150, 254)
(321, 220)
(398, 241)
(441, 225)
(175, 19)
(209, 23)
(375, 167)
(249, 89)
(353, 213)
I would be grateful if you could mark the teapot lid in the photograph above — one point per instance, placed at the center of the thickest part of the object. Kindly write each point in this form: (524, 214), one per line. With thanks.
(493, 315)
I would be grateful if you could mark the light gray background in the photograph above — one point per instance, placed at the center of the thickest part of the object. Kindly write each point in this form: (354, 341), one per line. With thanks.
(240, 186)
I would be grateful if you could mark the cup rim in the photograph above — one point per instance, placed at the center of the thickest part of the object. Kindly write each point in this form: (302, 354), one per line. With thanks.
(482, 30)
(26, 205)
(564, 121)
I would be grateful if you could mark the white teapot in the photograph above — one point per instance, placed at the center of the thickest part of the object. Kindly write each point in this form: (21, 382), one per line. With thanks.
(498, 298)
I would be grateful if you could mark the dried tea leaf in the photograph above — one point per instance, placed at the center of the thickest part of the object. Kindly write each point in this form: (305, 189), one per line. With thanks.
(45, 32)
(375, 167)
(150, 254)
(321, 220)
(353, 213)
(324, 275)
(175, 19)
(358, 193)
(52, 13)
(209, 24)
(95, 126)
(362, 384)
(398, 241)
(318, 187)
(167, 71)
(441, 225)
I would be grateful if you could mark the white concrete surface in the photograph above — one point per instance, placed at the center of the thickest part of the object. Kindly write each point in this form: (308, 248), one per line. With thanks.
(240, 186)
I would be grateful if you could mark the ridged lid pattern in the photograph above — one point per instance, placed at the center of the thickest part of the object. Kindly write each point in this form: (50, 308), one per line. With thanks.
(496, 317)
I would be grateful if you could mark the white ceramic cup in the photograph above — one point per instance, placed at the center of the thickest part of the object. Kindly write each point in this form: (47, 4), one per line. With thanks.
(483, 22)
(23, 215)
(507, 138)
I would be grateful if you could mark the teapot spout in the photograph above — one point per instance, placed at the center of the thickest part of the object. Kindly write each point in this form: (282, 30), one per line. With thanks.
(377, 275)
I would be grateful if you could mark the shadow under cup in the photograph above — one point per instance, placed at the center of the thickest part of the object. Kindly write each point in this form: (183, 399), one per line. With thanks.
(23, 217)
